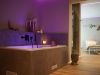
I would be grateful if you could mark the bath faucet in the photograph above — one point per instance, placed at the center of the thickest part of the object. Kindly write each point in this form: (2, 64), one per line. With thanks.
(25, 37)
(28, 39)
(31, 39)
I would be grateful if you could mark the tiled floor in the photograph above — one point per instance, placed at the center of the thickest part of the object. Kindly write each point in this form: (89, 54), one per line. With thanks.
(88, 65)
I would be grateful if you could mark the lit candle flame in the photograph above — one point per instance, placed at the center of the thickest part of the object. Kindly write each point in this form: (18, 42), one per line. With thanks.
(44, 41)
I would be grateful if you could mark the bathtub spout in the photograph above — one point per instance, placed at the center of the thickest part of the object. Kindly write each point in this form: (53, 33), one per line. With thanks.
(28, 39)
(25, 37)
(31, 39)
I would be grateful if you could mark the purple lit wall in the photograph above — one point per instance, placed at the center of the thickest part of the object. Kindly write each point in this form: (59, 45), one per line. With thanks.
(16, 12)
(51, 14)
(54, 15)
(13, 38)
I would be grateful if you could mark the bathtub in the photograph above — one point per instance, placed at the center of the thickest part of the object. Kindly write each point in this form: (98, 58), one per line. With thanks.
(25, 60)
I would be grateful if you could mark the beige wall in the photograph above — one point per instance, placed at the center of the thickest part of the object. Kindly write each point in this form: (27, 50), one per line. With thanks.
(70, 31)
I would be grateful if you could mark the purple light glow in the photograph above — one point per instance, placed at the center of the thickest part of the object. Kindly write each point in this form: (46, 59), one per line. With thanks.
(44, 0)
(54, 15)
(51, 14)
(27, 46)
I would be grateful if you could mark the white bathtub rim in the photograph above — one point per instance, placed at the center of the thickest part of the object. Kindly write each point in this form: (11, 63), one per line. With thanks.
(33, 49)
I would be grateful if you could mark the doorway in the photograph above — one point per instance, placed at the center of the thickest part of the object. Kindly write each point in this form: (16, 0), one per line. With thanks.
(90, 33)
